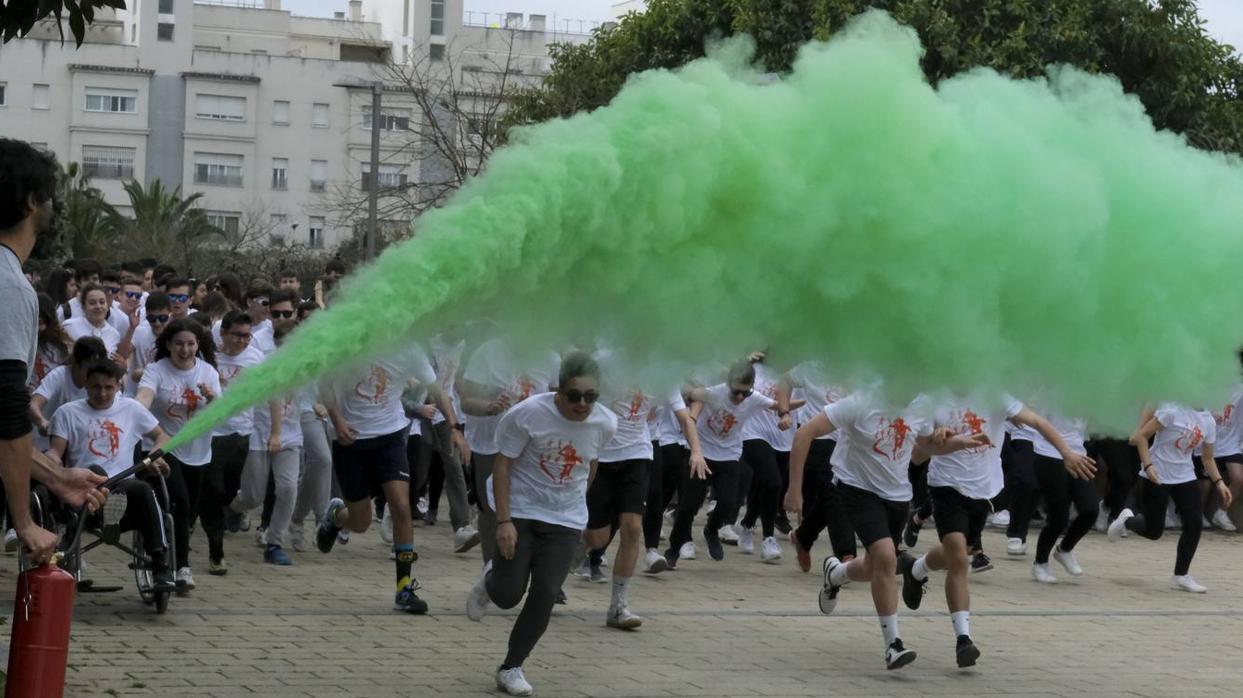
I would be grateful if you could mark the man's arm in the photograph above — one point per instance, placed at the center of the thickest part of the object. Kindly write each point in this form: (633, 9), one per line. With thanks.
(16, 453)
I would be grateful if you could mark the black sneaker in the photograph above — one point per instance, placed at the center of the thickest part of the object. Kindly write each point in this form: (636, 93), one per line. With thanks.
(407, 600)
(326, 533)
(596, 574)
(967, 652)
(716, 551)
(912, 588)
(910, 535)
(671, 558)
(980, 563)
(783, 525)
(164, 581)
(898, 656)
(561, 599)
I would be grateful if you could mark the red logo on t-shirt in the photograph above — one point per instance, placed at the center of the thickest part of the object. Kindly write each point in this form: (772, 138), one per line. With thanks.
(228, 373)
(1223, 419)
(563, 457)
(636, 405)
(722, 425)
(1189, 439)
(891, 439)
(374, 387)
(186, 408)
(104, 439)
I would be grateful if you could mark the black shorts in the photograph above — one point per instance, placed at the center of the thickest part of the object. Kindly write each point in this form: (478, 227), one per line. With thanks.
(1221, 460)
(364, 466)
(957, 513)
(872, 517)
(619, 488)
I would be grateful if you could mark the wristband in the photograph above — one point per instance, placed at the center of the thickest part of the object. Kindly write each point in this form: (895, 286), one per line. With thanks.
(1147, 466)
(1218, 481)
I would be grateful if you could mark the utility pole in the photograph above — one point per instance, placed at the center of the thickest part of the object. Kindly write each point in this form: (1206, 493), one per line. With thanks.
(373, 188)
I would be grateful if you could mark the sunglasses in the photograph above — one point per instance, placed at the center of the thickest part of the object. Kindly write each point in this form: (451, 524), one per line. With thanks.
(179, 297)
(158, 319)
(282, 314)
(575, 396)
(240, 335)
(112, 290)
(133, 294)
(741, 393)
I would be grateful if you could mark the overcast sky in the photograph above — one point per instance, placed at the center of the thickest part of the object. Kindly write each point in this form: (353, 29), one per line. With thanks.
(1225, 17)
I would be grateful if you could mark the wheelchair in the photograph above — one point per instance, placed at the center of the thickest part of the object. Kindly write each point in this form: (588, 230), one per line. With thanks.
(104, 528)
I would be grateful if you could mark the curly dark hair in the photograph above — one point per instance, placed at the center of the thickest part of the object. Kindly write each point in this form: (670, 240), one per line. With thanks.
(25, 171)
(207, 348)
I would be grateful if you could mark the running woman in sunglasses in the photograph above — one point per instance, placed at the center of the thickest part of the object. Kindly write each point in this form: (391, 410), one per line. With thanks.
(548, 447)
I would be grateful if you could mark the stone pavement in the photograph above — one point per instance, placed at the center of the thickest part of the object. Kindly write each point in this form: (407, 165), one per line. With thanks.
(735, 628)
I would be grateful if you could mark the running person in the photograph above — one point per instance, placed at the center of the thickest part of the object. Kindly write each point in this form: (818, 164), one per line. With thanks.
(961, 487)
(1062, 485)
(766, 442)
(1167, 473)
(548, 448)
(872, 480)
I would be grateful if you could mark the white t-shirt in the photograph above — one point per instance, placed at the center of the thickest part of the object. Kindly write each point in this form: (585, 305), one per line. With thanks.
(230, 367)
(763, 425)
(48, 358)
(975, 473)
(79, 326)
(668, 430)
(494, 367)
(102, 437)
(721, 423)
(446, 359)
(879, 443)
(177, 400)
(633, 440)
(1072, 432)
(1230, 426)
(118, 319)
(143, 343)
(370, 401)
(58, 389)
(1183, 430)
(552, 459)
(262, 337)
(75, 309)
(291, 423)
(816, 390)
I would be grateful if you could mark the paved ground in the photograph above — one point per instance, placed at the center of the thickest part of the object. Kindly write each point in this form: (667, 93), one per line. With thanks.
(734, 628)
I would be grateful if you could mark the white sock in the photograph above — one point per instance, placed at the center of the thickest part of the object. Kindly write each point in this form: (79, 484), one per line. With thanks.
(889, 628)
(619, 591)
(920, 569)
(962, 622)
(838, 575)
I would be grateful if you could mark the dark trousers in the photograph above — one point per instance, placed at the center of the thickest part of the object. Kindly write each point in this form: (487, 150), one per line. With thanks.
(541, 561)
(822, 504)
(1021, 482)
(220, 485)
(668, 471)
(1122, 460)
(180, 506)
(1060, 490)
(724, 481)
(1150, 522)
(765, 465)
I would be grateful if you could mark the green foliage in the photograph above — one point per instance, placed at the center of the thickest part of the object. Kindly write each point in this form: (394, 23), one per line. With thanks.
(18, 17)
(1158, 49)
(162, 224)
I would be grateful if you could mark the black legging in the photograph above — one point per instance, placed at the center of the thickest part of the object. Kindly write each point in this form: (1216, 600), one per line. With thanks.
(179, 505)
(921, 503)
(724, 481)
(1150, 522)
(669, 466)
(1059, 490)
(1123, 461)
(142, 512)
(764, 494)
(1021, 482)
(822, 504)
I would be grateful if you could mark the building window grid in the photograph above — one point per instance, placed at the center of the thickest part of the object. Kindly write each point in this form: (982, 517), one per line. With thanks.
(166, 7)
(438, 18)
(280, 174)
(103, 162)
(319, 115)
(389, 121)
(315, 233)
(280, 112)
(388, 179)
(114, 102)
(228, 223)
(319, 175)
(220, 107)
(164, 31)
(39, 96)
(218, 170)
(2, 94)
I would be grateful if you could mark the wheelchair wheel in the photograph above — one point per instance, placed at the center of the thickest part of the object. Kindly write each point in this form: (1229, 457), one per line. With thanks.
(144, 576)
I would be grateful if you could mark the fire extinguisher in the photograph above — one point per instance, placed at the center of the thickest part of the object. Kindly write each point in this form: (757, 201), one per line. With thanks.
(39, 648)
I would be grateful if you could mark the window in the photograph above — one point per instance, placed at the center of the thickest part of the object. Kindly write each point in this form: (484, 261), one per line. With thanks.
(2, 86)
(319, 115)
(164, 31)
(280, 113)
(391, 177)
(437, 52)
(319, 175)
(106, 162)
(220, 107)
(226, 222)
(315, 233)
(222, 170)
(395, 120)
(115, 101)
(438, 17)
(166, 7)
(40, 97)
(280, 173)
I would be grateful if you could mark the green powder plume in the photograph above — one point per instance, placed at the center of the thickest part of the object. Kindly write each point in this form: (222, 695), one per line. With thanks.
(989, 233)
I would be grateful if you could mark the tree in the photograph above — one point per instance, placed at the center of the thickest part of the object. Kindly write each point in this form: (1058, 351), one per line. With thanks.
(1158, 49)
(163, 225)
(87, 230)
(18, 17)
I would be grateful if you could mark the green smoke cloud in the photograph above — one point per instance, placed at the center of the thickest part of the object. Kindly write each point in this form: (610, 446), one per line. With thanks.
(986, 234)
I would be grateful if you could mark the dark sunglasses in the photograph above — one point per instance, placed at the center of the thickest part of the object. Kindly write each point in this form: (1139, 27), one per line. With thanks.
(179, 297)
(153, 319)
(741, 393)
(282, 314)
(133, 294)
(574, 396)
(112, 290)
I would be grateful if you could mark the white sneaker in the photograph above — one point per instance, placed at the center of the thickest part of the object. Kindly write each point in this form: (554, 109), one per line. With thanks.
(1221, 520)
(770, 550)
(1118, 528)
(11, 543)
(465, 538)
(711, 506)
(746, 540)
(1016, 547)
(1186, 583)
(1042, 573)
(477, 600)
(386, 526)
(512, 681)
(1102, 521)
(1205, 524)
(604, 559)
(687, 551)
(1068, 560)
(999, 519)
(621, 618)
(728, 534)
(654, 562)
(297, 537)
(184, 578)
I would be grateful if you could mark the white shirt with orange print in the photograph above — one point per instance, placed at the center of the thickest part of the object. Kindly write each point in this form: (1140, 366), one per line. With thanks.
(1183, 430)
(812, 385)
(551, 459)
(879, 443)
(633, 440)
(721, 423)
(105, 438)
(177, 400)
(1230, 426)
(494, 367)
(764, 425)
(230, 369)
(370, 399)
(975, 473)
(1073, 432)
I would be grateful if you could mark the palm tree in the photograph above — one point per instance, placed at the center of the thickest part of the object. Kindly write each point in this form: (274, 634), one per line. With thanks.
(163, 224)
(87, 229)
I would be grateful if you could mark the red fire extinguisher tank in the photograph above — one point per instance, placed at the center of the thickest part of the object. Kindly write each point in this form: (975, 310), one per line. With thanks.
(39, 649)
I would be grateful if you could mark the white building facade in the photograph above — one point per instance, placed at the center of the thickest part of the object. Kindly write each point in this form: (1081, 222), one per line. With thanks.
(263, 112)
